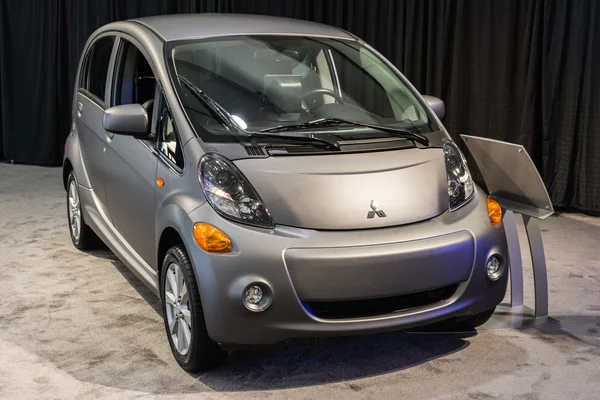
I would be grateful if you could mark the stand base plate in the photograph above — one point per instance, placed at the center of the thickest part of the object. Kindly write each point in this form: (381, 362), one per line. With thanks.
(507, 317)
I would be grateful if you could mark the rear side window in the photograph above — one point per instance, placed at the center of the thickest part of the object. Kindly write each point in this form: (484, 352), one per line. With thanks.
(96, 67)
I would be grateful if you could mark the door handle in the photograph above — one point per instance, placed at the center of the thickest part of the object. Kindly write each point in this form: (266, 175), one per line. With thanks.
(79, 108)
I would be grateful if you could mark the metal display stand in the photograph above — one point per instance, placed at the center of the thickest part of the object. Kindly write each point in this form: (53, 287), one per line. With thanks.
(514, 182)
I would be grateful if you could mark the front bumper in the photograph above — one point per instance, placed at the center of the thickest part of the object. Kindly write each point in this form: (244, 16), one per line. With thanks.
(305, 267)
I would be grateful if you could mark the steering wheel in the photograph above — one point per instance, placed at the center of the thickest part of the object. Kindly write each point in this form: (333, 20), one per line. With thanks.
(323, 91)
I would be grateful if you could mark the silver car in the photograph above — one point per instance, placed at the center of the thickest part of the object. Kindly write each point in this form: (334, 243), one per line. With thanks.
(269, 179)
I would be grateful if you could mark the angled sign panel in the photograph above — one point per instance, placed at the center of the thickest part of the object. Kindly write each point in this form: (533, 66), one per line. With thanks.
(511, 176)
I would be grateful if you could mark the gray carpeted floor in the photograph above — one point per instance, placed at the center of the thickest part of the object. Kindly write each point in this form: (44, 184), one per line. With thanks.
(77, 325)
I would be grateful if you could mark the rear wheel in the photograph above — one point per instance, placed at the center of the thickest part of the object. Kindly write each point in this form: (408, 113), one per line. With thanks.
(82, 236)
(186, 329)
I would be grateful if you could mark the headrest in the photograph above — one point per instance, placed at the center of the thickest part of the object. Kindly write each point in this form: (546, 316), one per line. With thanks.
(285, 92)
(148, 105)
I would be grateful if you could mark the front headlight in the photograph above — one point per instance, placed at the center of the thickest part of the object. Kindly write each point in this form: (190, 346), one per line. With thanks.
(230, 194)
(460, 183)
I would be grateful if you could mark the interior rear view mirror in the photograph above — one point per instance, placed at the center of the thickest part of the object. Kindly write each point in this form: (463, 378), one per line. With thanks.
(128, 119)
(437, 105)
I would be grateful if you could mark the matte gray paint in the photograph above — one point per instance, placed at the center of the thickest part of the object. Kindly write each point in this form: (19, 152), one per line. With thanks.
(437, 105)
(206, 25)
(73, 155)
(92, 139)
(335, 192)
(330, 273)
(130, 192)
(102, 226)
(127, 119)
(258, 255)
(121, 184)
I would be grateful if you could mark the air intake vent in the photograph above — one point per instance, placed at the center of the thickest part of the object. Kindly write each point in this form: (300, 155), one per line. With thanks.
(254, 151)
(380, 306)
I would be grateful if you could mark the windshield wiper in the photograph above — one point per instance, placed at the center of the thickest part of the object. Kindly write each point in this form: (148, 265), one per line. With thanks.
(218, 112)
(324, 122)
(329, 145)
(221, 115)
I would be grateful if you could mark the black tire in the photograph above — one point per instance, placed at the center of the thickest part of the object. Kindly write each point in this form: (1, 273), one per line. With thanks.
(87, 240)
(203, 353)
(473, 321)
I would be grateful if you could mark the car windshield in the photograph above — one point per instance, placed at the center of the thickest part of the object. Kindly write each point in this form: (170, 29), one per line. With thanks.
(264, 82)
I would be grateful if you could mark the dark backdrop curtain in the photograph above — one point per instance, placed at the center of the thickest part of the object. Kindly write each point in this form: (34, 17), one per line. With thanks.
(525, 71)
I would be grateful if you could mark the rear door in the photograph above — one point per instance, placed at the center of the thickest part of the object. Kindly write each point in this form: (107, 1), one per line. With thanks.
(90, 105)
(130, 162)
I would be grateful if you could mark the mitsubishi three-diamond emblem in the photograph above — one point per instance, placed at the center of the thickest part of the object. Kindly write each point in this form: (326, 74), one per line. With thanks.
(375, 211)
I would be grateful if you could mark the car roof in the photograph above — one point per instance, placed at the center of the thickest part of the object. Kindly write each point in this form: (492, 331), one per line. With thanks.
(200, 26)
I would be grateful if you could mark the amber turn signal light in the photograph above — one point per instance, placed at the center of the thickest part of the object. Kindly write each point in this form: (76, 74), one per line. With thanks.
(494, 212)
(211, 239)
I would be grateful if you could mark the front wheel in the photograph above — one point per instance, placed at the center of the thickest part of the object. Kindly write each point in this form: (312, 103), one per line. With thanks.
(186, 329)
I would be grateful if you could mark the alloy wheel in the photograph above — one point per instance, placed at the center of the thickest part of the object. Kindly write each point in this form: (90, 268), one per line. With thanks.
(74, 211)
(179, 317)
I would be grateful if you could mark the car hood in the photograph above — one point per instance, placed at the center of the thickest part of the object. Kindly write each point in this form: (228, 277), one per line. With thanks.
(351, 191)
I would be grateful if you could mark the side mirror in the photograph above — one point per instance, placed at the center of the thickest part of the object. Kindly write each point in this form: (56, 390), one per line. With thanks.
(437, 105)
(128, 119)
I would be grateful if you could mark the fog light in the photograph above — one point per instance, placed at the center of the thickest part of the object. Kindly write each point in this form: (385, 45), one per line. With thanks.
(494, 268)
(254, 294)
(256, 297)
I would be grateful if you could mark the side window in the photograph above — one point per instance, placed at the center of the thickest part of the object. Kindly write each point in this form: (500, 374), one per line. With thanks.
(96, 67)
(168, 140)
(135, 82)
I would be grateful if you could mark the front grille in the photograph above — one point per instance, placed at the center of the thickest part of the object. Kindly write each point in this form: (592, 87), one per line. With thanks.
(379, 306)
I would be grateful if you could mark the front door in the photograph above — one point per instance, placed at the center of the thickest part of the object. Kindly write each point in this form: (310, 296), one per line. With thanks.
(131, 163)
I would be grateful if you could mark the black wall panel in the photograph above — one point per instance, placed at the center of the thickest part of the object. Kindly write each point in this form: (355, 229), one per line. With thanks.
(526, 71)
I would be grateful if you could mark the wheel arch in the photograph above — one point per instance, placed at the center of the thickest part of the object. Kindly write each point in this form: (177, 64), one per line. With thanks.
(73, 159)
(169, 237)
(173, 226)
(67, 168)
